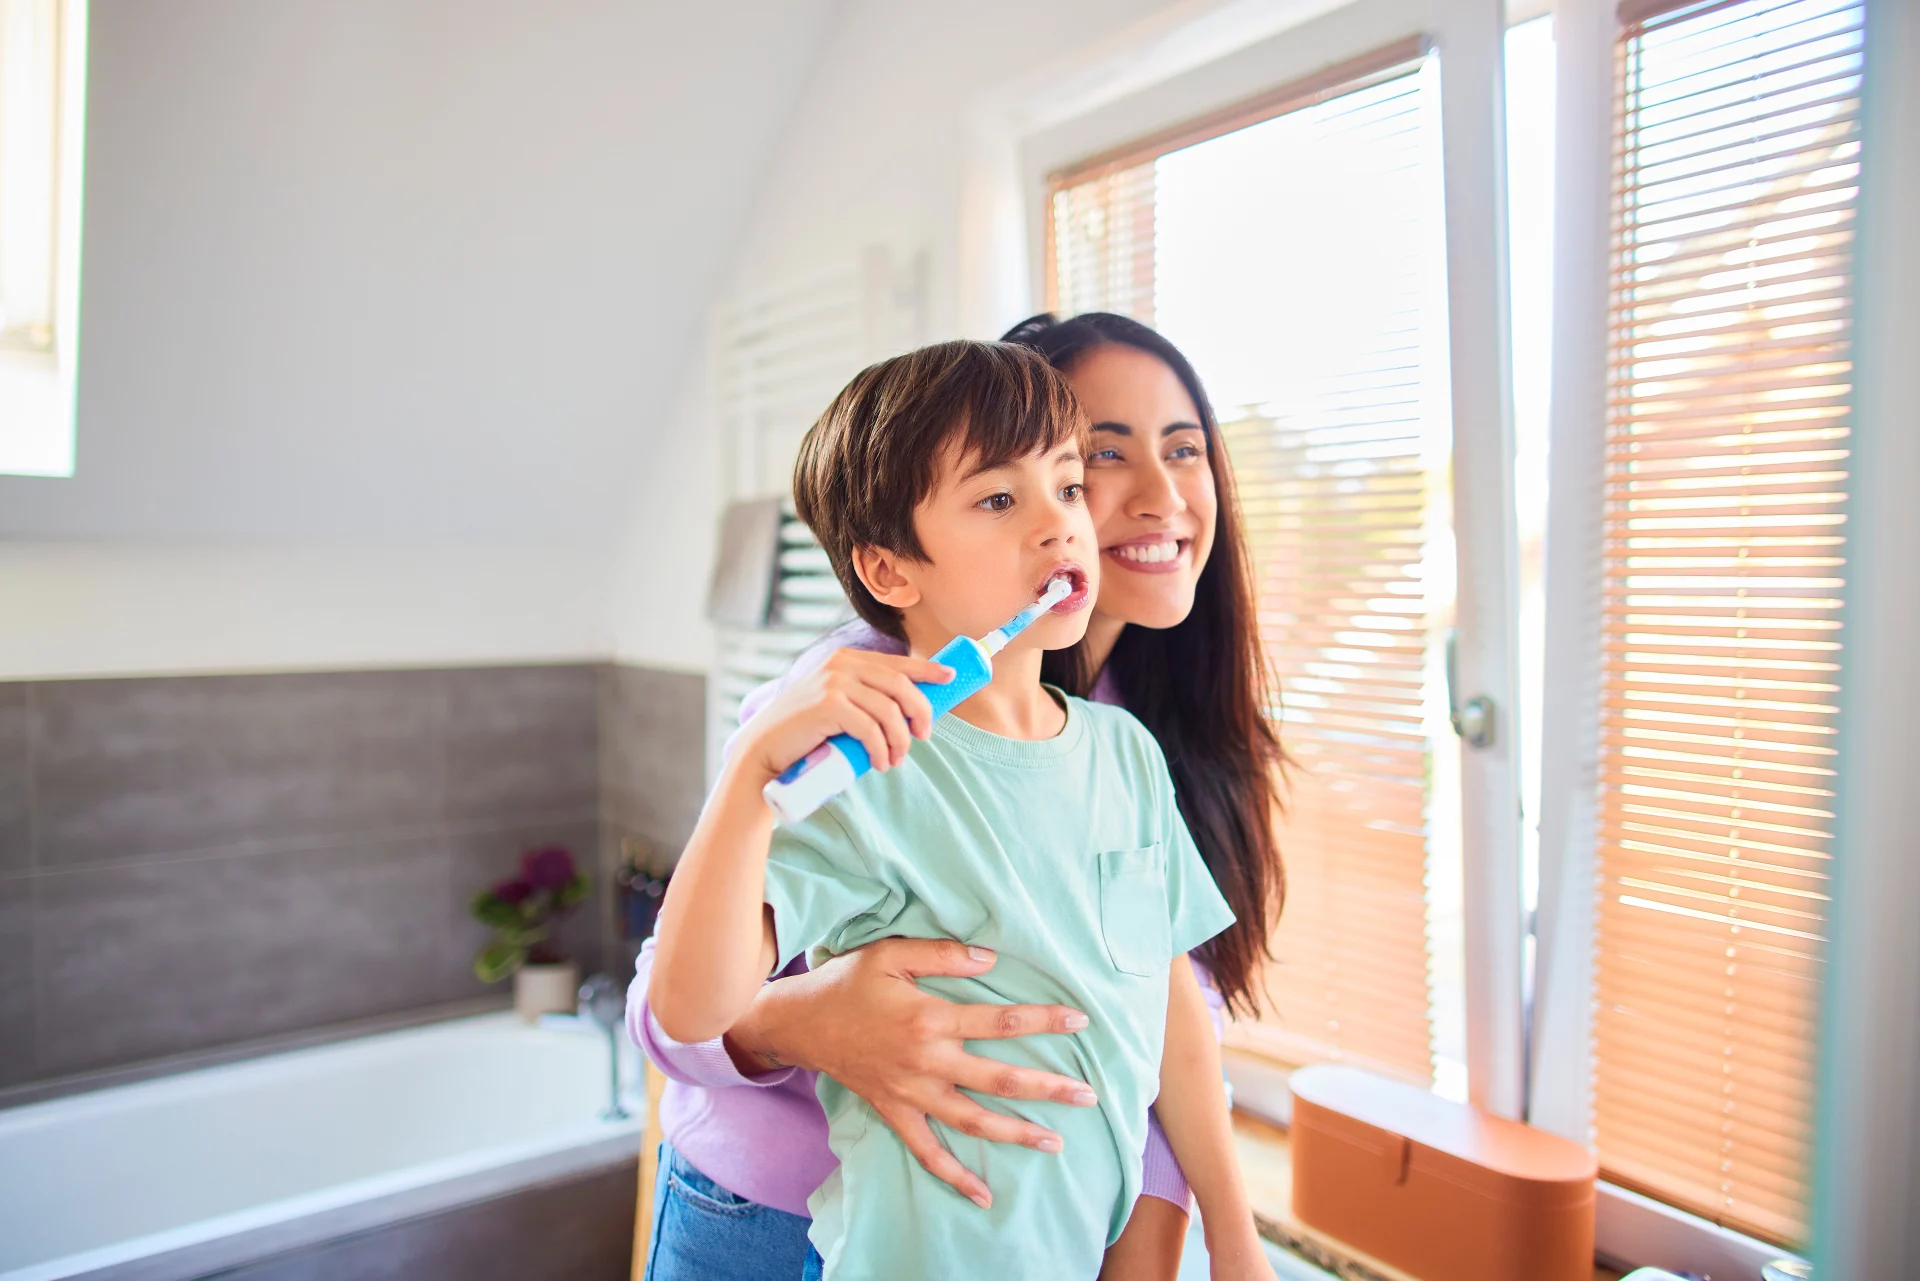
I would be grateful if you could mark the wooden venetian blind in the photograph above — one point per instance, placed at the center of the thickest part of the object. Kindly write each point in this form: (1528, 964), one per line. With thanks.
(1333, 464)
(1736, 173)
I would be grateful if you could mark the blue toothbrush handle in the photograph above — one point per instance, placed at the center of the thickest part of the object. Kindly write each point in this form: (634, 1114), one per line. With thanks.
(836, 764)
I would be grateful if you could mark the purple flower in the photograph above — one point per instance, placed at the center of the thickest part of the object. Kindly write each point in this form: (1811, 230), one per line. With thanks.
(512, 893)
(547, 869)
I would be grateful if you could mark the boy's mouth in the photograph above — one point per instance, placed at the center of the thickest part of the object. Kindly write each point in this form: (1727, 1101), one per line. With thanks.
(1075, 599)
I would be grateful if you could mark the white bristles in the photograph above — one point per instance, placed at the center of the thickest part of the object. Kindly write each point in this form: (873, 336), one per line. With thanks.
(1056, 591)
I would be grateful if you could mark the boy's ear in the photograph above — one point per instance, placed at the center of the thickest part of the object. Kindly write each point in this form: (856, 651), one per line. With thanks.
(884, 575)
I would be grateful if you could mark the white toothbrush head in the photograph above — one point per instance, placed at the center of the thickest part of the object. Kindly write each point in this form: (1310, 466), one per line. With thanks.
(1055, 592)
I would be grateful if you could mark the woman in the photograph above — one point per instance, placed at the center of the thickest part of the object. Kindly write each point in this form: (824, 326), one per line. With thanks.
(1173, 640)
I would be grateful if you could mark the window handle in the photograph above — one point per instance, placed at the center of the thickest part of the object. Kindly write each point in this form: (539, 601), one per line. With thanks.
(1474, 719)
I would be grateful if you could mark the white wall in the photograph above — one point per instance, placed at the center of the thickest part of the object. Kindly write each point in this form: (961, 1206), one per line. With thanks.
(391, 297)
(877, 152)
(393, 306)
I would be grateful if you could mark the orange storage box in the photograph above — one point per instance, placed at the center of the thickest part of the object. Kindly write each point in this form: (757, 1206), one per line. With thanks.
(1437, 1189)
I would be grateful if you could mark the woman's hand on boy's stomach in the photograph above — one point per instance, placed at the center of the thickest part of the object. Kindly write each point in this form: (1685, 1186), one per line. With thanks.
(863, 1020)
(868, 696)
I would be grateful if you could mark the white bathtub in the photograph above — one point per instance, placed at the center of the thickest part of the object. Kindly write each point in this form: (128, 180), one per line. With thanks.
(213, 1168)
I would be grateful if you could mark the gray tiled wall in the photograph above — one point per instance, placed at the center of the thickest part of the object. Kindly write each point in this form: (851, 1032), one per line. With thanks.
(652, 773)
(195, 862)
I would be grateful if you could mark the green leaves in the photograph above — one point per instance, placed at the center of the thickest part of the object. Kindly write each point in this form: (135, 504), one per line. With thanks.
(498, 960)
(521, 911)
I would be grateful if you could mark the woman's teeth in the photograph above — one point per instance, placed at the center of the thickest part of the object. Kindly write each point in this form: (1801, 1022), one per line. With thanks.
(1148, 553)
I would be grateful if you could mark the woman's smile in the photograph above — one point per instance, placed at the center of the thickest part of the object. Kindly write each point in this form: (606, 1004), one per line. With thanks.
(1156, 553)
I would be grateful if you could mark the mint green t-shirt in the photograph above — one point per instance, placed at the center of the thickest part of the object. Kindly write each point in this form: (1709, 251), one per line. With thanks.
(1069, 858)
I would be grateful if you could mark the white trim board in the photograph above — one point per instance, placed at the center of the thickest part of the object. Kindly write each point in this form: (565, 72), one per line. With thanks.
(1867, 1172)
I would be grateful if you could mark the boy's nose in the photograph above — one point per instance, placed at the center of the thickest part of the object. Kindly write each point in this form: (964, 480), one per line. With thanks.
(1057, 532)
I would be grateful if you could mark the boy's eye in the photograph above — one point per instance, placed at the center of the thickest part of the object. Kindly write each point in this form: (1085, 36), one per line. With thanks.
(1073, 493)
(997, 502)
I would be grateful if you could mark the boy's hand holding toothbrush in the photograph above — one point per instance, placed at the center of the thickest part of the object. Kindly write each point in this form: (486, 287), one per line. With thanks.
(868, 696)
(717, 941)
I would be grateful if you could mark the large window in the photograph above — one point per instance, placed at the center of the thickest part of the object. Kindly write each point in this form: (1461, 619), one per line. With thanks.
(1294, 250)
(1726, 447)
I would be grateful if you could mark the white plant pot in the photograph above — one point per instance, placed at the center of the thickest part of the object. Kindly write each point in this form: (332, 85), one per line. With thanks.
(546, 989)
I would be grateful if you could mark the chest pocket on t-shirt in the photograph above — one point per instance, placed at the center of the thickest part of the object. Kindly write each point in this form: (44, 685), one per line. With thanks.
(1133, 909)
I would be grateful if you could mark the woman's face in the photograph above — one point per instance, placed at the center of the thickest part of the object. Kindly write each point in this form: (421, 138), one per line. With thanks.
(1149, 487)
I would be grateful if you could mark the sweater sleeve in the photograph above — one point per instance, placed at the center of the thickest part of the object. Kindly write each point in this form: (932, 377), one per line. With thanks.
(1160, 1173)
(705, 1063)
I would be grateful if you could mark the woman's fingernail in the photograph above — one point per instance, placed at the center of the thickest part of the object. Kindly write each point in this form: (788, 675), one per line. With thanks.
(982, 1200)
(980, 954)
(1085, 1098)
(1048, 1144)
(1076, 1021)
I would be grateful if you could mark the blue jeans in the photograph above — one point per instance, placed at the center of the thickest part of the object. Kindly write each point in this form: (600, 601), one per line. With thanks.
(702, 1232)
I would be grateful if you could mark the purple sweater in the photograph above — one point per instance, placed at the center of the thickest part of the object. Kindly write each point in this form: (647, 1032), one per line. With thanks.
(764, 1137)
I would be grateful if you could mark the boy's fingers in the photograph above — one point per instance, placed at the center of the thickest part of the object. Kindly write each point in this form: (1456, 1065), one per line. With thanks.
(857, 721)
(919, 711)
(886, 713)
(940, 1163)
(919, 669)
(990, 1076)
(961, 1113)
(998, 1022)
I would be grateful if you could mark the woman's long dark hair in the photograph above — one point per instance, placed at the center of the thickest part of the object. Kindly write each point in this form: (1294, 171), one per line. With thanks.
(1201, 686)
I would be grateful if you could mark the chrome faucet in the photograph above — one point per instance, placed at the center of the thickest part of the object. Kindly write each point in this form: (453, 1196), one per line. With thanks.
(603, 1003)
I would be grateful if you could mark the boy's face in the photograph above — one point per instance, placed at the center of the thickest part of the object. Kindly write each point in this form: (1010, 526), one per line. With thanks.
(994, 538)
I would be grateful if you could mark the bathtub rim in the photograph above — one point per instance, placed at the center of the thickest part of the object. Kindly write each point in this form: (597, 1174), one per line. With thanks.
(343, 1209)
(89, 1080)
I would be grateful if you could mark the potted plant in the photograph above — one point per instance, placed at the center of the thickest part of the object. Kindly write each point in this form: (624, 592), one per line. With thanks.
(522, 911)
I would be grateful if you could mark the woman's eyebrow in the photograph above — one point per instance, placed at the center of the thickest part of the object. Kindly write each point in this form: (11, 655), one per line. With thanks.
(1121, 429)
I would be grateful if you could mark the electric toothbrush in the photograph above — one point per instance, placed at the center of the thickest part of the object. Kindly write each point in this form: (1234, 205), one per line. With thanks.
(836, 764)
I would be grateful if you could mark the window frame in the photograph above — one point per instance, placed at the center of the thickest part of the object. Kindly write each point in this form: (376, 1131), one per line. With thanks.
(1631, 1228)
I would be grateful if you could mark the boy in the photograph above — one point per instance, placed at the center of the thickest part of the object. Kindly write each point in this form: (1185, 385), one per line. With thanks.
(945, 486)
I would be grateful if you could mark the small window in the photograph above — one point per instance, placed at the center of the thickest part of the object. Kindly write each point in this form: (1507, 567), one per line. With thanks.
(41, 103)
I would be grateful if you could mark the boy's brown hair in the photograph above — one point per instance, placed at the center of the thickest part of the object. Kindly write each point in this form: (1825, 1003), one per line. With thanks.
(875, 455)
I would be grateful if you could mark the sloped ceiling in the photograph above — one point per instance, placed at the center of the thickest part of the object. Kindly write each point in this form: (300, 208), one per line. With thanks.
(414, 270)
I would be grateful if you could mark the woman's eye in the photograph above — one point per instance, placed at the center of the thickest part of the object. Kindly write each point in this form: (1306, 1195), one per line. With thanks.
(1185, 451)
(997, 502)
(1104, 456)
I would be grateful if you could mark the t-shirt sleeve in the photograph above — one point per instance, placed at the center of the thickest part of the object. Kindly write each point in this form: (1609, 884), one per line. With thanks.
(1195, 909)
(818, 885)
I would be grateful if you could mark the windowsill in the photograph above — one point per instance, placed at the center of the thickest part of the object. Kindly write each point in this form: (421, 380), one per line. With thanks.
(1266, 1161)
